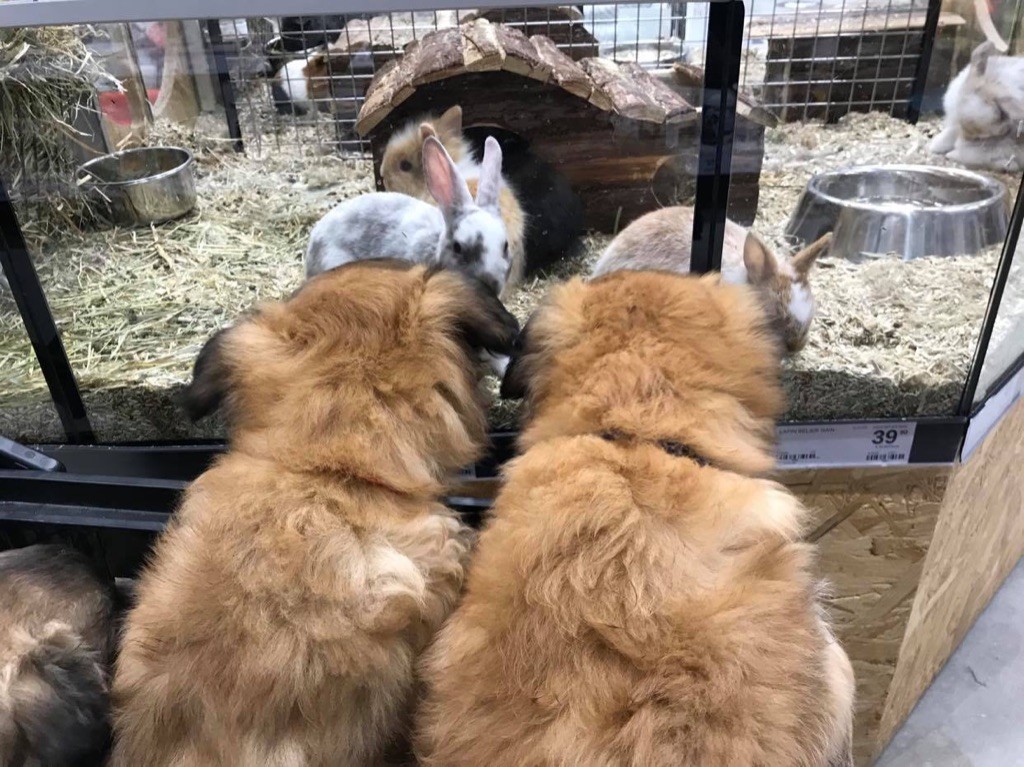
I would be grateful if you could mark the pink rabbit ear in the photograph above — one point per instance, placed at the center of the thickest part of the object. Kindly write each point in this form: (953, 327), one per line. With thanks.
(443, 179)
(490, 174)
(758, 260)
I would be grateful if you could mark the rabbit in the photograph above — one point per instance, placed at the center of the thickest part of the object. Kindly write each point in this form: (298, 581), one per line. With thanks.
(661, 240)
(57, 631)
(281, 614)
(554, 212)
(459, 234)
(641, 594)
(983, 124)
(542, 214)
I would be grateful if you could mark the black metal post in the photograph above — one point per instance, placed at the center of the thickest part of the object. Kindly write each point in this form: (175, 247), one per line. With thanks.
(42, 330)
(227, 90)
(994, 299)
(718, 124)
(931, 31)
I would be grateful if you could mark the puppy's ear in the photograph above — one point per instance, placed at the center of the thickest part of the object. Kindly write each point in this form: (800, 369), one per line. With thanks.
(484, 322)
(516, 382)
(209, 379)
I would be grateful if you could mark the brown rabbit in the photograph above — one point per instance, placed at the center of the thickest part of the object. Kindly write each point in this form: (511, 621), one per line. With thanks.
(281, 616)
(661, 240)
(401, 169)
(641, 596)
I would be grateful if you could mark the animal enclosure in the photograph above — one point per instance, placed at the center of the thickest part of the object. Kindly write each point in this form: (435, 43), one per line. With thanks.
(612, 97)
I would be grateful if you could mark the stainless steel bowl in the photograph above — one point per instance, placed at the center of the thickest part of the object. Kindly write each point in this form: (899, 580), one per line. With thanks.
(913, 210)
(141, 186)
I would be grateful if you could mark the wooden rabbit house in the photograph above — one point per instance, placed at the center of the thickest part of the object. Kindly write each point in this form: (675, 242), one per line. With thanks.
(608, 127)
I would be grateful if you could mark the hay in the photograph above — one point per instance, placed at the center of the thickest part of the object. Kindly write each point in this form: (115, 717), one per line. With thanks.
(135, 306)
(47, 78)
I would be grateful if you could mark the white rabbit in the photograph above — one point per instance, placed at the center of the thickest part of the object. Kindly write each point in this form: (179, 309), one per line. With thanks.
(460, 234)
(984, 121)
(661, 240)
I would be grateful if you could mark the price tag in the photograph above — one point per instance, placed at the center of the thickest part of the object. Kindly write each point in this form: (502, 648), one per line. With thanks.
(844, 444)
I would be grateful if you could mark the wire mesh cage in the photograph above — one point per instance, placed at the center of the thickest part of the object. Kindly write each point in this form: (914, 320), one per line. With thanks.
(802, 59)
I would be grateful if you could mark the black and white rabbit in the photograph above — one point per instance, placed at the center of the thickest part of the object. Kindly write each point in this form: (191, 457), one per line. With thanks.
(543, 215)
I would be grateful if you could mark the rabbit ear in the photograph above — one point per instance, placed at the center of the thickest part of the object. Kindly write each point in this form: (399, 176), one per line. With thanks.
(427, 130)
(209, 379)
(444, 181)
(981, 55)
(450, 123)
(804, 259)
(758, 260)
(490, 175)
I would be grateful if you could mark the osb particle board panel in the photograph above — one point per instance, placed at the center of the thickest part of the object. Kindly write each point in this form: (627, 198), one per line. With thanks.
(873, 528)
(978, 539)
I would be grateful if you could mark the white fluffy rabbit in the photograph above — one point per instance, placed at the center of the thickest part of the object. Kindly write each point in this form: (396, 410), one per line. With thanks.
(661, 240)
(984, 121)
(460, 234)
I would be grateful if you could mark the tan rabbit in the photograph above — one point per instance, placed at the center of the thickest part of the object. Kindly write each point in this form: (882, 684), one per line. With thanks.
(285, 606)
(641, 597)
(401, 169)
(661, 240)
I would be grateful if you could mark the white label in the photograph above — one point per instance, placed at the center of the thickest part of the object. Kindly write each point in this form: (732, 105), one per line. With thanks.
(844, 444)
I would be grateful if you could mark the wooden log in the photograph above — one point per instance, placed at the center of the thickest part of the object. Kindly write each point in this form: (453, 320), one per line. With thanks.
(481, 50)
(437, 57)
(689, 81)
(560, 24)
(672, 104)
(566, 73)
(628, 98)
(521, 56)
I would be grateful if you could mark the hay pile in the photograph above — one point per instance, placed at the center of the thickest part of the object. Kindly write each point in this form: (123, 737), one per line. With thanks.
(135, 306)
(47, 77)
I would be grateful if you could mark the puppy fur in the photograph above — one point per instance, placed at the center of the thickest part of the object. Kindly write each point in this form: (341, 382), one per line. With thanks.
(281, 616)
(56, 642)
(626, 606)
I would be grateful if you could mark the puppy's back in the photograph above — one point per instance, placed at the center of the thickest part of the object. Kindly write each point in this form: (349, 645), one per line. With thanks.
(627, 607)
(56, 624)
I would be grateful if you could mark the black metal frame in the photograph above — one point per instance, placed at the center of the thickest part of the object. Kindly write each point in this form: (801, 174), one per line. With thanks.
(931, 30)
(227, 90)
(718, 127)
(994, 300)
(40, 326)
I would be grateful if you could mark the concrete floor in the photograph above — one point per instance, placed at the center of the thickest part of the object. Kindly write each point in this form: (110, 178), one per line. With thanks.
(973, 714)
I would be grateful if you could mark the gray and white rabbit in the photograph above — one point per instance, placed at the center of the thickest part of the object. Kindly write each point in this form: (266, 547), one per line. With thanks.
(461, 233)
(983, 125)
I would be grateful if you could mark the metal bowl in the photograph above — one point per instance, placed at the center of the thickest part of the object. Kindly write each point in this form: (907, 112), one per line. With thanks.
(141, 186)
(913, 210)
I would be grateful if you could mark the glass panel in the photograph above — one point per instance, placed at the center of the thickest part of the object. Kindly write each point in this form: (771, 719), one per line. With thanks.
(901, 292)
(1006, 347)
(27, 414)
(592, 105)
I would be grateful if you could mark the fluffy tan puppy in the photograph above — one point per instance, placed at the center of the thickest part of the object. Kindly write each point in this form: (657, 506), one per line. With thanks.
(641, 596)
(285, 606)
